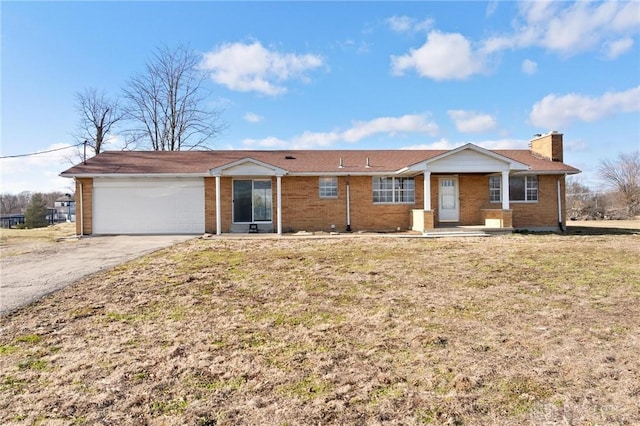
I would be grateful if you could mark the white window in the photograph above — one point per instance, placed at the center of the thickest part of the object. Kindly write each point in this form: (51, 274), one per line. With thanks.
(494, 189)
(329, 187)
(393, 190)
(521, 188)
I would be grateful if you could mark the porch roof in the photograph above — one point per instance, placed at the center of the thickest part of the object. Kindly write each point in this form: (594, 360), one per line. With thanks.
(292, 162)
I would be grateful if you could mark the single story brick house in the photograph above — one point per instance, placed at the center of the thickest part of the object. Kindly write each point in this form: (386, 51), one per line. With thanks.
(163, 192)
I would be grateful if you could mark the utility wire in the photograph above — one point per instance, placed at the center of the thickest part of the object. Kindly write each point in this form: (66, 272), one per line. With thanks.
(41, 152)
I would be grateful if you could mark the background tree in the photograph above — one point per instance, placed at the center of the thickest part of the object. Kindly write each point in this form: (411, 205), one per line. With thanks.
(51, 197)
(623, 175)
(14, 203)
(35, 216)
(582, 202)
(98, 114)
(166, 103)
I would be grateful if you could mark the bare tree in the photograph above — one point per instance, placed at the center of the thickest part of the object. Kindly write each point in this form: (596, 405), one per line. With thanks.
(14, 203)
(98, 114)
(166, 103)
(623, 175)
(583, 202)
(9, 204)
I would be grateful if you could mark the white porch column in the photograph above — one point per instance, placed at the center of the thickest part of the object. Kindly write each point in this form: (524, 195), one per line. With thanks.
(427, 190)
(505, 190)
(218, 208)
(279, 202)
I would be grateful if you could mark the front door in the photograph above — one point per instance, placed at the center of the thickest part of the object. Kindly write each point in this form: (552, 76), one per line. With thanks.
(448, 205)
(252, 201)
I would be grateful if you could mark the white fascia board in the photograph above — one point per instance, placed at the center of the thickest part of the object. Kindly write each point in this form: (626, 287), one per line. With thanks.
(545, 172)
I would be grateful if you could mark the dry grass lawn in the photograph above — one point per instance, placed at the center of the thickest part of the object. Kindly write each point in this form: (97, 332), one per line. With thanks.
(508, 330)
(17, 241)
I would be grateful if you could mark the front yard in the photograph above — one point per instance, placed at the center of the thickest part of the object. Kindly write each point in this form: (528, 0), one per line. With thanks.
(517, 329)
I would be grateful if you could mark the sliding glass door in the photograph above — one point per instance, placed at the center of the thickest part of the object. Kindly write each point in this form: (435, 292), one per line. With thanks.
(252, 201)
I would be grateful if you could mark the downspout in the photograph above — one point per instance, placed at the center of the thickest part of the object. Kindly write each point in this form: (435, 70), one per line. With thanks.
(81, 211)
(348, 207)
(560, 208)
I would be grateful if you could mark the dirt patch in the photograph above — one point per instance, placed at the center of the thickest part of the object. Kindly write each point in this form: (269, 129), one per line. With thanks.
(517, 329)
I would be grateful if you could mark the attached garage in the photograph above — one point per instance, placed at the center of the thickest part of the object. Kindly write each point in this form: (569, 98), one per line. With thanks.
(148, 205)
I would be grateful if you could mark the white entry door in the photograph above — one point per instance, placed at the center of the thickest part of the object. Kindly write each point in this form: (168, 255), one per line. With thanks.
(448, 205)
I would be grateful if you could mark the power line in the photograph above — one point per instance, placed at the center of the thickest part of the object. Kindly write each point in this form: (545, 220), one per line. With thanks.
(41, 152)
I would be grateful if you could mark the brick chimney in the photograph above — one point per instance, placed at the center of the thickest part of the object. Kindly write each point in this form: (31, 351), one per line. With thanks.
(548, 146)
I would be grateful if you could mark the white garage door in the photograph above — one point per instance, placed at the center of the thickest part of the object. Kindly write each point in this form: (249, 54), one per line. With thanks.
(148, 206)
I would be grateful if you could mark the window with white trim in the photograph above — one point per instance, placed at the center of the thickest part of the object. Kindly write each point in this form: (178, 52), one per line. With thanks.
(394, 190)
(521, 188)
(329, 187)
(495, 182)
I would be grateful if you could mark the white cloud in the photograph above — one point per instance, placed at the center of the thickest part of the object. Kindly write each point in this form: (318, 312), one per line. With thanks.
(252, 117)
(37, 173)
(446, 144)
(503, 144)
(553, 111)
(615, 48)
(266, 143)
(404, 24)
(351, 45)
(443, 144)
(564, 28)
(391, 126)
(253, 68)
(571, 29)
(529, 67)
(471, 121)
(492, 6)
(444, 56)
(575, 145)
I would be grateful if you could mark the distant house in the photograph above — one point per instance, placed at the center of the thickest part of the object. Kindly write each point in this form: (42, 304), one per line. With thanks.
(65, 208)
(133, 192)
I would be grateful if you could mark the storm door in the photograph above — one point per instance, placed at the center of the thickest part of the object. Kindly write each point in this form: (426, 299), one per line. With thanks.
(448, 200)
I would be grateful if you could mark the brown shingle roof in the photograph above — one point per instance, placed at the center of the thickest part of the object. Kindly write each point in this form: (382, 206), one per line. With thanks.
(536, 163)
(303, 161)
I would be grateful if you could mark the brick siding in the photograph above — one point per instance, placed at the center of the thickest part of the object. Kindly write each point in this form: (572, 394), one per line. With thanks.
(544, 213)
(304, 210)
(210, 205)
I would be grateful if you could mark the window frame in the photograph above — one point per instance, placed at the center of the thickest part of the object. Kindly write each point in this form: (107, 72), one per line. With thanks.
(531, 188)
(393, 190)
(495, 188)
(328, 187)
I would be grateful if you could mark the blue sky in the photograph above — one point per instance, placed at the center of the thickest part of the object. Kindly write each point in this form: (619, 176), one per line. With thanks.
(335, 75)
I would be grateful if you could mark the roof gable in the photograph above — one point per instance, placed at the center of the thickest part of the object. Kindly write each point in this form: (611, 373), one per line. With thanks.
(469, 158)
(247, 167)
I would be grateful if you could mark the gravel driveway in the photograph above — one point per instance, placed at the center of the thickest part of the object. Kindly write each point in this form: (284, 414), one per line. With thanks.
(40, 270)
